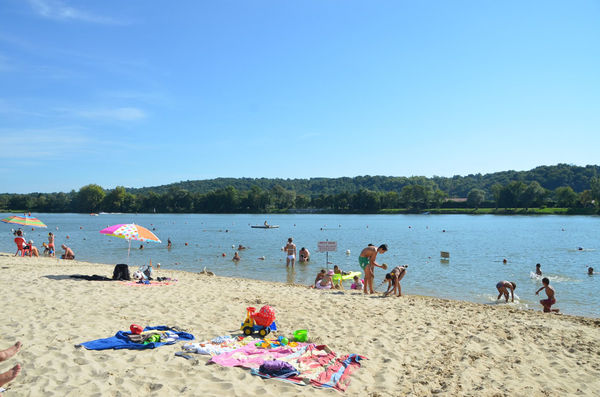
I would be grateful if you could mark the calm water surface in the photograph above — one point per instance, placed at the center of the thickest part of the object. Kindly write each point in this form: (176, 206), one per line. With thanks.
(477, 246)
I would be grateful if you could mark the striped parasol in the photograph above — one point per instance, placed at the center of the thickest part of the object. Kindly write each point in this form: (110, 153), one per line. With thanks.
(130, 231)
(24, 221)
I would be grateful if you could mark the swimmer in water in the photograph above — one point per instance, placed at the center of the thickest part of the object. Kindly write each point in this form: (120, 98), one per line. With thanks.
(538, 269)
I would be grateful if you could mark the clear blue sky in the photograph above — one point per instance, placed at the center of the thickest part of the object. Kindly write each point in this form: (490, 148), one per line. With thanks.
(141, 93)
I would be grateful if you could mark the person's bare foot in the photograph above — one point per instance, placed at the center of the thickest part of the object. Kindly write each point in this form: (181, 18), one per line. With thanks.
(9, 375)
(11, 351)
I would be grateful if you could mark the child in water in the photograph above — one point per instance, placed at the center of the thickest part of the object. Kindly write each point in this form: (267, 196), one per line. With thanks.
(503, 287)
(538, 269)
(547, 303)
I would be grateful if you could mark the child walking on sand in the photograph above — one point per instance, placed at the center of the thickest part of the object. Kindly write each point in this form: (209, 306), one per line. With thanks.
(547, 303)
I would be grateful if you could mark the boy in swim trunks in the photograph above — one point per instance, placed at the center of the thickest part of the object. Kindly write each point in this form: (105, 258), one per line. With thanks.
(503, 287)
(290, 250)
(366, 261)
(547, 303)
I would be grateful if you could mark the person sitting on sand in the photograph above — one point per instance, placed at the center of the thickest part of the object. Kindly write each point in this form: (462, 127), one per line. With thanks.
(547, 303)
(538, 269)
(358, 283)
(304, 255)
(366, 261)
(503, 287)
(33, 251)
(14, 371)
(320, 275)
(47, 250)
(236, 257)
(325, 282)
(69, 254)
(393, 278)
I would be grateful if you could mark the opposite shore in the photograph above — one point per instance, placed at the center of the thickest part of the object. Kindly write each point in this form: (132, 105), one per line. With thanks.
(415, 345)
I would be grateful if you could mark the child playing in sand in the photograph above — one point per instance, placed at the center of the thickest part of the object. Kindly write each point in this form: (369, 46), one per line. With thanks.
(393, 278)
(547, 303)
(503, 287)
(358, 283)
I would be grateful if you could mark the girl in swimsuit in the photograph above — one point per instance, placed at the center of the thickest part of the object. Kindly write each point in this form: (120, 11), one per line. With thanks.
(393, 278)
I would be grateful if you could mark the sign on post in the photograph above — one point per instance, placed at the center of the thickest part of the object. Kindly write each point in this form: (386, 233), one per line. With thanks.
(326, 246)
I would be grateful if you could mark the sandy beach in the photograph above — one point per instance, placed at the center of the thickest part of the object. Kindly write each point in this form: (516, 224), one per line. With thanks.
(417, 346)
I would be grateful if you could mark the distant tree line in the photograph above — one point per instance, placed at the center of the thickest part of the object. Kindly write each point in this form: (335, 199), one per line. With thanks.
(345, 195)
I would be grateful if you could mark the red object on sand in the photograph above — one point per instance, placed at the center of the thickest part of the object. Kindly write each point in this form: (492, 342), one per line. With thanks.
(136, 329)
(265, 316)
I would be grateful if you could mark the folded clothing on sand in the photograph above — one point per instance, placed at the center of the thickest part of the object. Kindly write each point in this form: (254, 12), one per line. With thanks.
(121, 340)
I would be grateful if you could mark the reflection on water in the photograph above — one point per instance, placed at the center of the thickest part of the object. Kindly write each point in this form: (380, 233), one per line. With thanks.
(477, 247)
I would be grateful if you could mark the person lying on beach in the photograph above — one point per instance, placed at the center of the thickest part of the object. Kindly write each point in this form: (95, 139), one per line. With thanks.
(357, 284)
(33, 251)
(503, 287)
(366, 261)
(236, 257)
(538, 269)
(320, 275)
(68, 253)
(547, 303)
(14, 371)
(304, 255)
(393, 278)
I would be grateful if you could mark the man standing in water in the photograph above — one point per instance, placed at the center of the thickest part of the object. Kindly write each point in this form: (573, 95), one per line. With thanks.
(366, 261)
(290, 252)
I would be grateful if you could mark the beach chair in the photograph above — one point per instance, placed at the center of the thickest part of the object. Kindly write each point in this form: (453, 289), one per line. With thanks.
(20, 241)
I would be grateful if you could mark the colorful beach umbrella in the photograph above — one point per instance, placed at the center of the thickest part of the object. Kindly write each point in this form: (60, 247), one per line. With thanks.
(130, 231)
(24, 221)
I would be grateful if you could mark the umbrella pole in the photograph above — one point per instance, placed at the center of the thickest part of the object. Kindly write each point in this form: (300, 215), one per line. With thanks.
(128, 249)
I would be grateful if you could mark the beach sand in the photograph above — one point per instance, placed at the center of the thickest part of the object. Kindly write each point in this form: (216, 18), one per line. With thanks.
(417, 346)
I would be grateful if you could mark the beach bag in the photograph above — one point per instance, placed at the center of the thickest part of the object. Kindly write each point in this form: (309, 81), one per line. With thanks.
(121, 272)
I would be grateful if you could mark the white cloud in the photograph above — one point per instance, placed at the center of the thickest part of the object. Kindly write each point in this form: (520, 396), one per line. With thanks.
(120, 114)
(39, 143)
(57, 10)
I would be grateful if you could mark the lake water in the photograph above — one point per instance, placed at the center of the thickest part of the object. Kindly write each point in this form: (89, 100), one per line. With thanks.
(477, 246)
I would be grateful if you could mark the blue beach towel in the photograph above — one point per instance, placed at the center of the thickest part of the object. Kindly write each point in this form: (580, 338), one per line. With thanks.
(121, 341)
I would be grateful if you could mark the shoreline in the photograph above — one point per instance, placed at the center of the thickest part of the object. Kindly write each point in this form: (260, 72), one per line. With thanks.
(415, 345)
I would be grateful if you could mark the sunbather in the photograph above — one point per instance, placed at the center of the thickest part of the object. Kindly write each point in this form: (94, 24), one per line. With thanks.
(14, 371)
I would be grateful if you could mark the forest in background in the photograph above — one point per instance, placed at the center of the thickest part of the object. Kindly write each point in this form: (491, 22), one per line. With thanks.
(557, 186)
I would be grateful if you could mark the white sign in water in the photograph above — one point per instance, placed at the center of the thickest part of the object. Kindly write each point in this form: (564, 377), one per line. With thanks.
(326, 246)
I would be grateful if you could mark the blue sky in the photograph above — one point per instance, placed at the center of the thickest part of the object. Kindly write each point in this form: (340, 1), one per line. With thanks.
(143, 93)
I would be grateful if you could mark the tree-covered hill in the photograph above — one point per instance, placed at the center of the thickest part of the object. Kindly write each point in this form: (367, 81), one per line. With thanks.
(549, 177)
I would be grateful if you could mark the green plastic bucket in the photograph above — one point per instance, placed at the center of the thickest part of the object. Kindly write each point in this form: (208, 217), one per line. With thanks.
(300, 335)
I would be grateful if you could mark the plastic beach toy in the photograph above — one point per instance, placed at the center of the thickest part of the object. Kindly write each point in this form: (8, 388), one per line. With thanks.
(300, 335)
